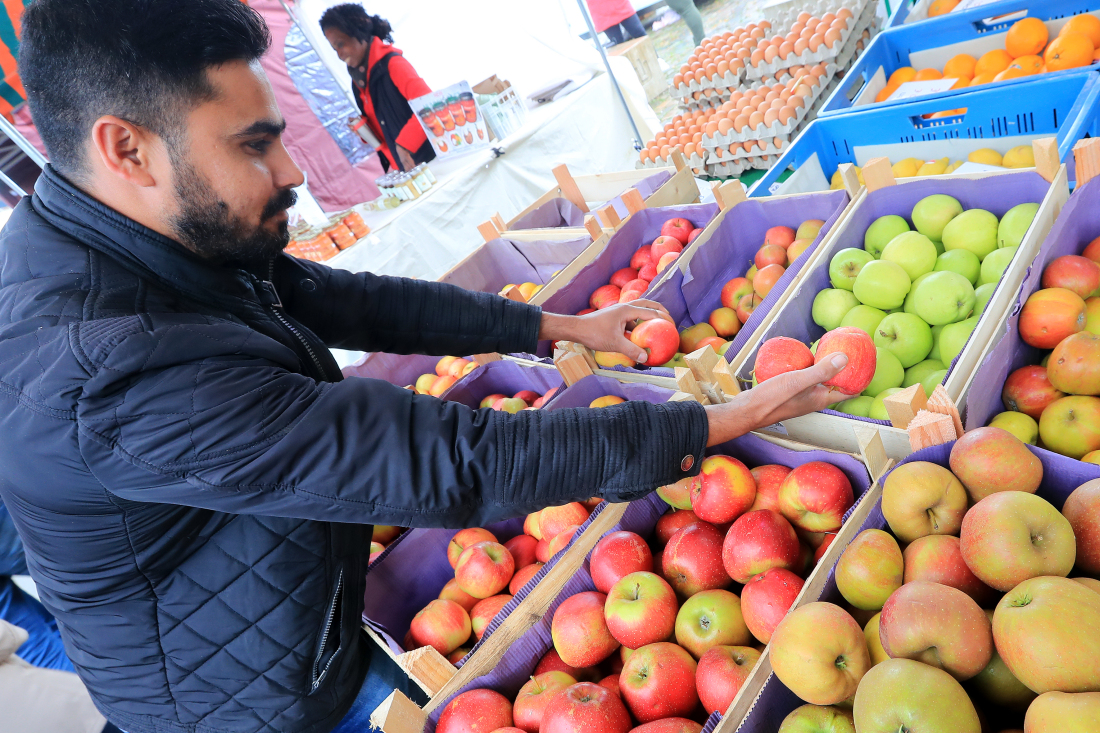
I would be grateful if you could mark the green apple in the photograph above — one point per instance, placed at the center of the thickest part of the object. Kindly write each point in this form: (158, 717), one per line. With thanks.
(919, 371)
(878, 405)
(863, 317)
(975, 230)
(913, 251)
(944, 297)
(1014, 225)
(954, 338)
(935, 352)
(830, 307)
(882, 284)
(962, 261)
(677, 360)
(940, 249)
(724, 348)
(932, 380)
(903, 695)
(994, 266)
(932, 214)
(818, 719)
(845, 265)
(982, 294)
(858, 406)
(881, 231)
(1022, 426)
(910, 304)
(905, 336)
(888, 373)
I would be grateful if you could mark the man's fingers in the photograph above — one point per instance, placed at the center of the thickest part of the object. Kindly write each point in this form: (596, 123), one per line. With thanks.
(819, 373)
(646, 310)
(633, 351)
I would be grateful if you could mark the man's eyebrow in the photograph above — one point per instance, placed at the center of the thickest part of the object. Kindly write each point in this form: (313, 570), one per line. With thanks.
(263, 127)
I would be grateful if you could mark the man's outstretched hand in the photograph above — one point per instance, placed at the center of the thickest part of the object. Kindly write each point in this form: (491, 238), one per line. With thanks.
(604, 330)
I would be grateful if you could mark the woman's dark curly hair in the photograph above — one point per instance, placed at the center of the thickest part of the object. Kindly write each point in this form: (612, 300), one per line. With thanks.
(352, 20)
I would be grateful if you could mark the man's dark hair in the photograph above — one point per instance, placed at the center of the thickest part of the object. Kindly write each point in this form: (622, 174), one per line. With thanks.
(141, 60)
(351, 20)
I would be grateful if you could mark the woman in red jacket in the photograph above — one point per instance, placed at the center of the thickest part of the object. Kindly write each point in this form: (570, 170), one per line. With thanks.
(382, 81)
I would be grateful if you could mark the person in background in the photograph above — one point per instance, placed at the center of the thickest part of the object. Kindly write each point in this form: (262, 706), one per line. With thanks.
(617, 19)
(686, 9)
(382, 83)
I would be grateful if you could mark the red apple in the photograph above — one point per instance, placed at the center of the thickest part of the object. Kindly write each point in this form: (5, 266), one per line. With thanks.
(637, 285)
(671, 523)
(542, 551)
(476, 711)
(666, 259)
(535, 696)
(766, 599)
(527, 395)
(489, 402)
(1074, 365)
(768, 480)
(585, 311)
(781, 355)
(561, 540)
(1073, 272)
(641, 257)
(694, 235)
(441, 385)
(1028, 390)
(385, 534)
(460, 368)
(522, 576)
(579, 631)
(585, 708)
(442, 625)
(678, 495)
(484, 612)
(659, 339)
(556, 519)
(457, 656)
(623, 276)
(640, 610)
(726, 490)
(862, 358)
(465, 538)
(815, 497)
(510, 404)
(713, 342)
(711, 618)
(604, 296)
(988, 460)
(692, 560)
(770, 254)
(1050, 315)
(724, 321)
(648, 272)
(484, 569)
(721, 673)
(522, 549)
(734, 290)
(617, 555)
(1082, 509)
(870, 569)
(376, 550)
(658, 681)
(661, 247)
(766, 278)
(937, 558)
(611, 681)
(781, 236)
(679, 228)
(824, 546)
(531, 525)
(757, 542)
(451, 592)
(551, 661)
(1092, 250)
(669, 725)
(747, 305)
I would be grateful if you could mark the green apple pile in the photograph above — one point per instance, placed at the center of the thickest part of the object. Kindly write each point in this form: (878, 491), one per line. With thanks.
(966, 609)
(1056, 404)
(919, 290)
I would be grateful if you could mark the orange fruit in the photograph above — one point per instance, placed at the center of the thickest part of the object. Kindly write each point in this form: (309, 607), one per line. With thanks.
(885, 93)
(1026, 37)
(1085, 24)
(961, 83)
(982, 79)
(1069, 51)
(960, 66)
(928, 75)
(1028, 64)
(1096, 55)
(940, 7)
(902, 75)
(992, 62)
(1009, 73)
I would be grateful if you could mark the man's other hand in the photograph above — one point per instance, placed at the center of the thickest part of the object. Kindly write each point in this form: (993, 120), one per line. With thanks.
(605, 330)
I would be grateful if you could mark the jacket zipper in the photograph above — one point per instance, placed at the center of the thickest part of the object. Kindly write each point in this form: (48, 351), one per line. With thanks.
(318, 673)
(276, 309)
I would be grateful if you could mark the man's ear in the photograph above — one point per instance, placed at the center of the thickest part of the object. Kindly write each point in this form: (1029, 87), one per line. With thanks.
(126, 150)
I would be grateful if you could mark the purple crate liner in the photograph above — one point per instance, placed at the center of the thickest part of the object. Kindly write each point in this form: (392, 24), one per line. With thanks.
(399, 369)
(641, 228)
(795, 321)
(515, 667)
(502, 377)
(595, 386)
(1060, 478)
(553, 214)
(501, 262)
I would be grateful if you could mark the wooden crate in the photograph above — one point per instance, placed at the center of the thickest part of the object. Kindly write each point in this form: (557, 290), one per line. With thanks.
(642, 55)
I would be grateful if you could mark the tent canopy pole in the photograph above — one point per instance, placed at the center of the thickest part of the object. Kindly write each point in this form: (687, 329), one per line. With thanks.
(614, 81)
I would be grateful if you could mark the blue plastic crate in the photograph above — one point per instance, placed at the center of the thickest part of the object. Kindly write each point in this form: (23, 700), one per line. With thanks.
(891, 49)
(902, 9)
(1067, 105)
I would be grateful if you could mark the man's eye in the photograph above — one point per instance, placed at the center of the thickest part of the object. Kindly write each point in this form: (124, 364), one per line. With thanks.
(260, 146)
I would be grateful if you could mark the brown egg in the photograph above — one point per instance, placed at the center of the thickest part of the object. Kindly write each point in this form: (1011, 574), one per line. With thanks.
(844, 13)
(685, 69)
(771, 53)
(786, 114)
(803, 17)
(797, 101)
(725, 125)
(710, 129)
(718, 152)
(735, 97)
(800, 46)
(755, 119)
(839, 24)
(828, 18)
(797, 28)
(689, 149)
(664, 152)
(785, 94)
(758, 33)
(812, 24)
(786, 49)
(832, 37)
(689, 77)
(697, 96)
(757, 57)
(722, 68)
(662, 140)
(744, 53)
(710, 70)
(777, 103)
(815, 42)
(697, 137)
(770, 117)
(765, 24)
(677, 80)
(819, 70)
(741, 123)
(771, 95)
(777, 87)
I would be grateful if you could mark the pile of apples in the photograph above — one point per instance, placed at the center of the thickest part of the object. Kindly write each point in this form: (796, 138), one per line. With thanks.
(1021, 156)
(650, 260)
(527, 290)
(1028, 50)
(967, 612)
(525, 399)
(448, 370)
(1056, 404)
(919, 294)
(381, 537)
(662, 642)
(487, 575)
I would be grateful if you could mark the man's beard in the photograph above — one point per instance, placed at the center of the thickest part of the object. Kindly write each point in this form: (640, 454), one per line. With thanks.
(205, 226)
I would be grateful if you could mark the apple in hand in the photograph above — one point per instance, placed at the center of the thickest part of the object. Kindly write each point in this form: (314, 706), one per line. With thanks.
(870, 569)
(442, 625)
(815, 497)
(757, 542)
(781, 355)
(725, 491)
(692, 560)
(465, 538)
(721, 673)
(535, 696)
(585, 708)
(900, 694)
(766, 599)
(922, 498)
(616, 556)
(640, 609)
(476, 711)
(711, 618)
(658, 681)
(580, 634)
(862, 358)
(818, 651)
(1082, 510)
(659, 339)
(678, 228)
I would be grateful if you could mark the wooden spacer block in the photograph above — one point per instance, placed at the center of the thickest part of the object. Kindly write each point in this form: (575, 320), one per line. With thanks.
(569, 188)
(682, 397)
(488, 230)
(499, 221)
(678, 159)
(872, 450)
(702, 362)
(428, 668)
(903, 406)
(686, 382)
(877, 174)
(1047, 161)
(729, 194)
(512, 293)
(633, 200)
(592, 224)
(1087, 154)
(930, 428)
(940, 402)
(723, 376)
(850, 178)
(484, 359)
(609, 217)
(398, 714)
(573, 368)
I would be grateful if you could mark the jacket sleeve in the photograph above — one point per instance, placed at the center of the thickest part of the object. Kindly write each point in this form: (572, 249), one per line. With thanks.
(207, 415)
(366, 312)
(411, 86)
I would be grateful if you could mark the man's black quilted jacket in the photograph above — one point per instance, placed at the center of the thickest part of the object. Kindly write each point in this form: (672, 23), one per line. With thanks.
(195, 484)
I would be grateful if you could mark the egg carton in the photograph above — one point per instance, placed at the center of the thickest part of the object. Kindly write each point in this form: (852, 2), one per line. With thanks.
(728, 80)
(824, 53)
(784, 13)
(728, 169)
(762, 162)
(770, 148)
